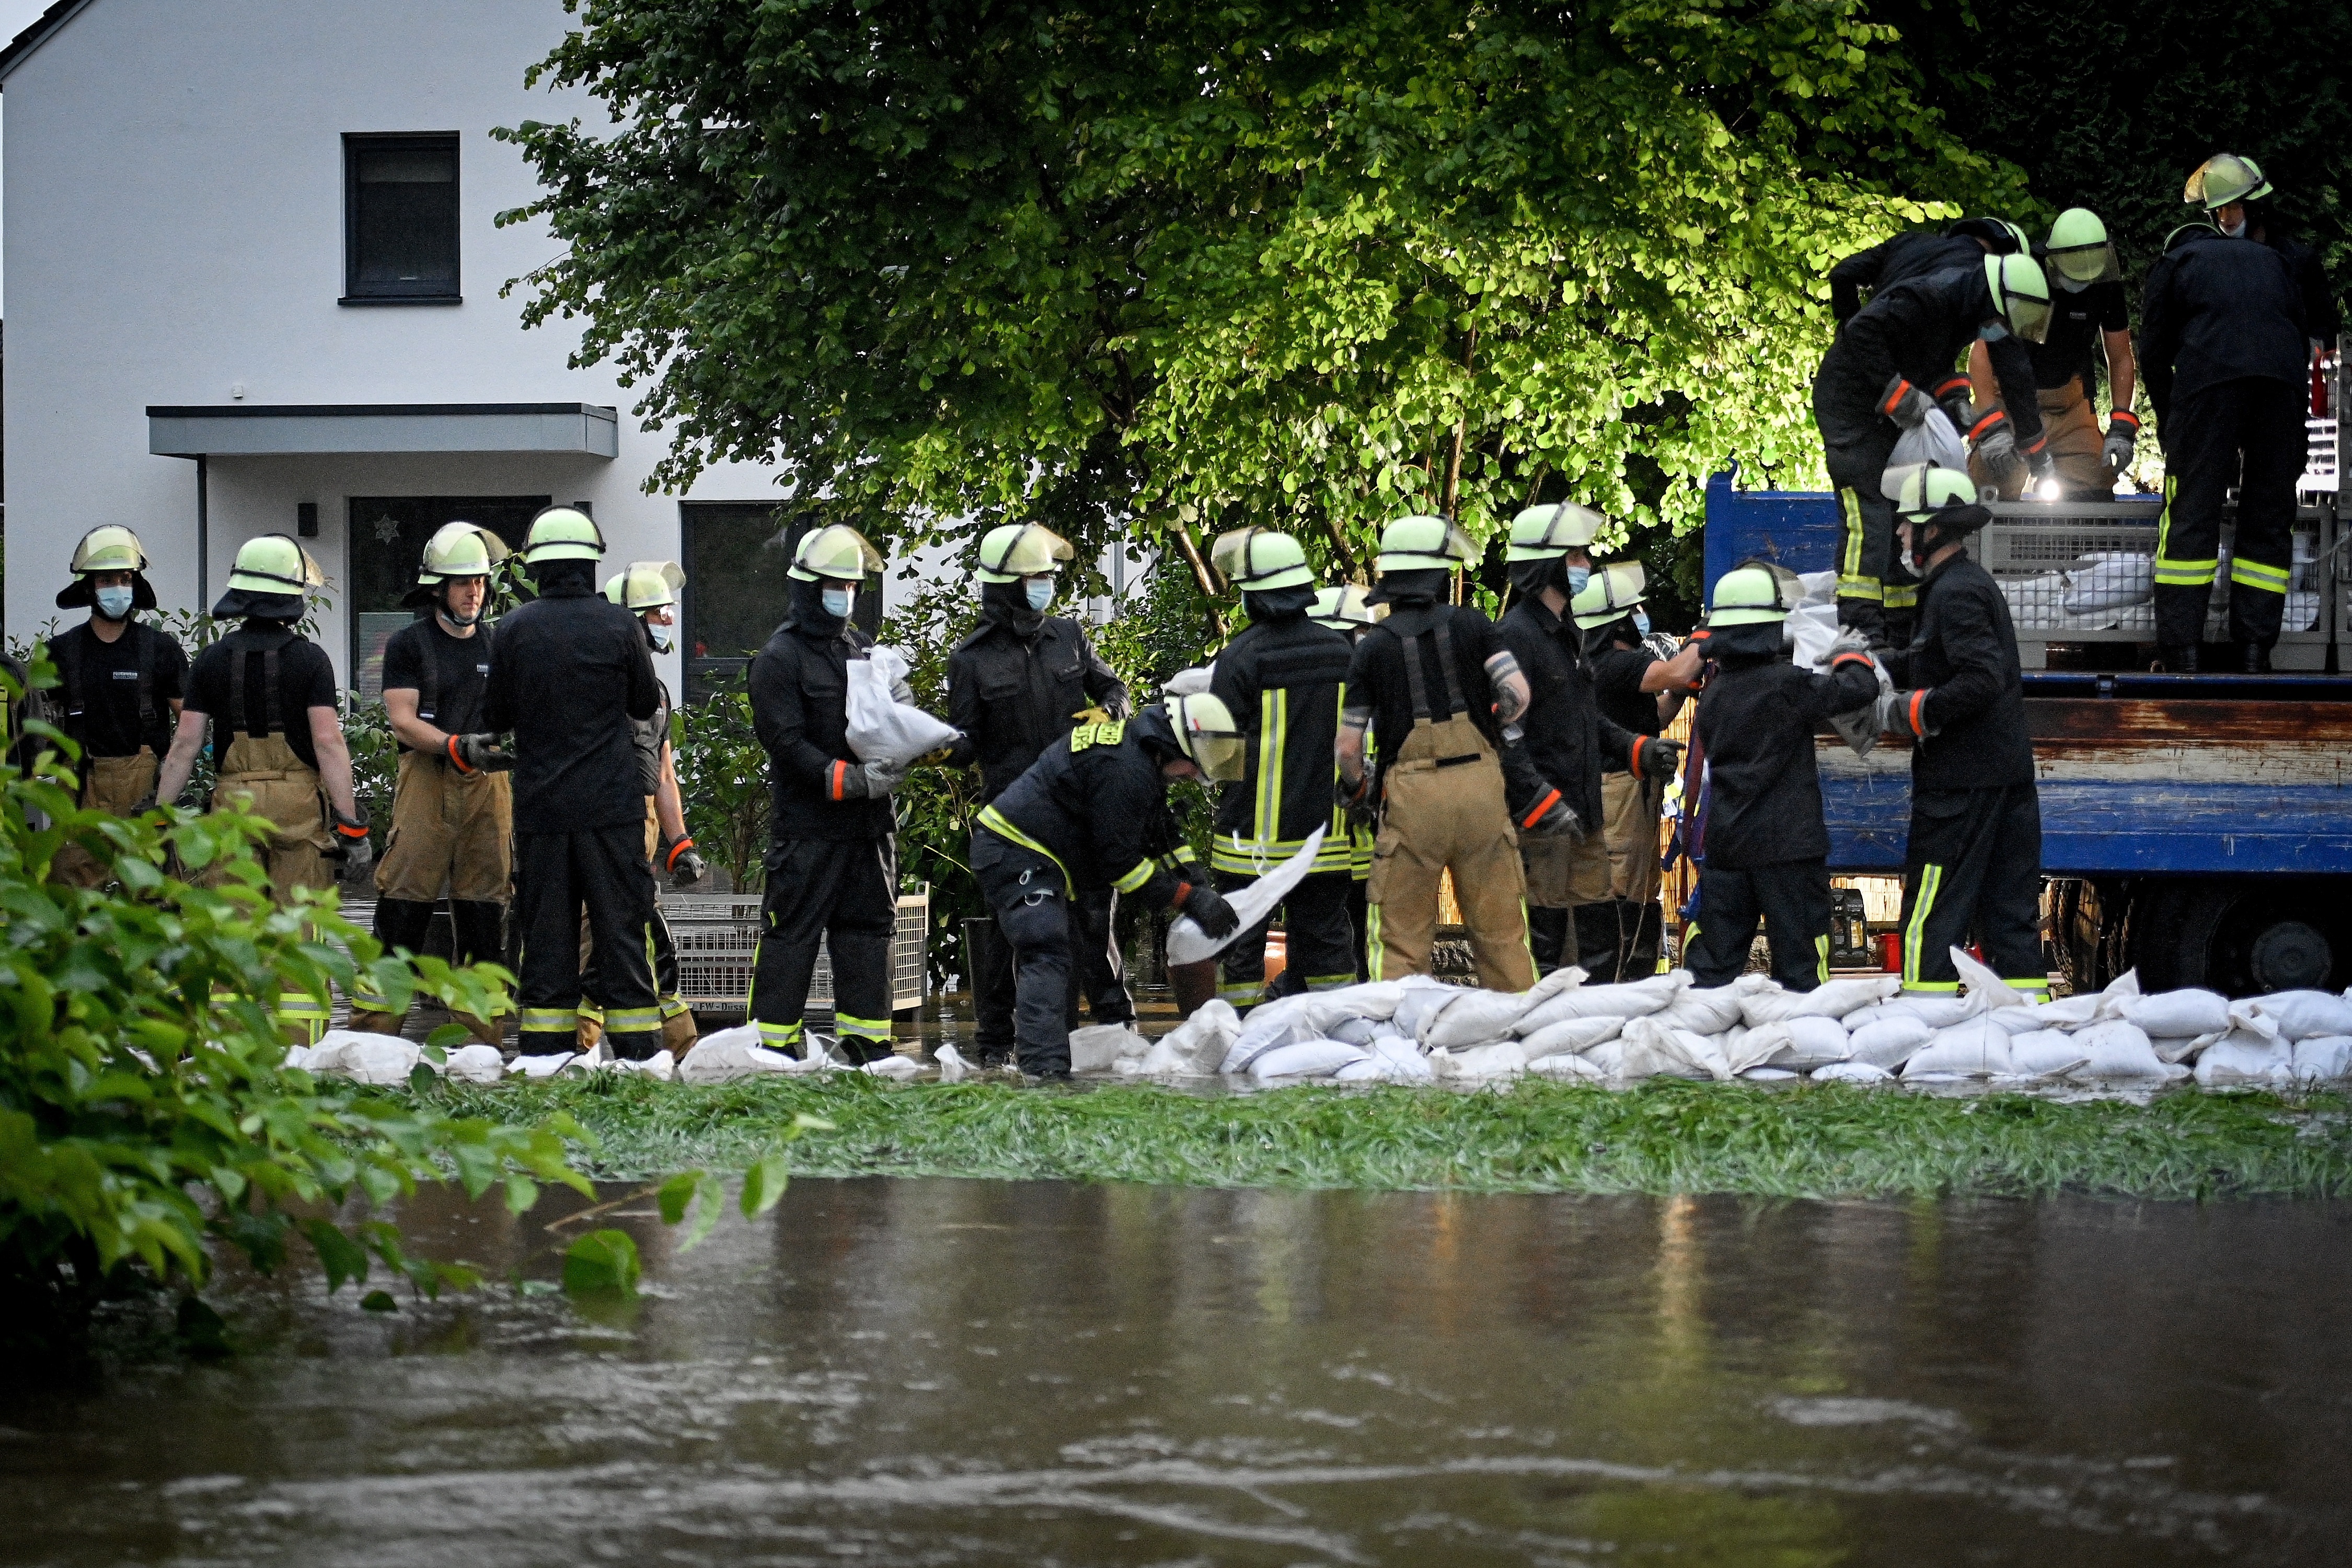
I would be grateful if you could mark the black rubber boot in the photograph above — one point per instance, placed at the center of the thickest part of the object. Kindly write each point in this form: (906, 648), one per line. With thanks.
(2180, 659)
(1547, 939)
(1600, 941)
(2253, 658)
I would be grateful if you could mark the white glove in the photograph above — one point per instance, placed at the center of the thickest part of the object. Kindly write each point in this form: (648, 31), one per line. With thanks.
(1848, 640)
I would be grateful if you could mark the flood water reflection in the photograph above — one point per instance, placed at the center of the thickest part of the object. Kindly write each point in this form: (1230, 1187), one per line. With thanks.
(952, 1372)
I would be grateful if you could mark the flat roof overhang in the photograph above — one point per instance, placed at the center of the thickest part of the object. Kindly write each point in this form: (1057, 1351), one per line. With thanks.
(239, 430)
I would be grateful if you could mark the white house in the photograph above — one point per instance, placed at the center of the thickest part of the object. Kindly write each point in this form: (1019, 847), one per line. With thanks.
(254, 285)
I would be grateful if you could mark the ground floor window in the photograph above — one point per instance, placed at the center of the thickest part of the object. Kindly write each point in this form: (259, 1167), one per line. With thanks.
(386, 544)
(735, 592)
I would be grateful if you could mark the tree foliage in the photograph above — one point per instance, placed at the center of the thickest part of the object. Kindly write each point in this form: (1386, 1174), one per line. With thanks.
(1171, 268)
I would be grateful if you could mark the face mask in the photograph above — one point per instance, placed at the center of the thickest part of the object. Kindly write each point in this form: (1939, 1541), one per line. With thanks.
(2069, 284)
(663, 636)
(1040, 595)
(2237, 233)
(1578, 576)
(456, 618)
(1992, 331)
(113, 602)
(837, 602)
(1642, 622)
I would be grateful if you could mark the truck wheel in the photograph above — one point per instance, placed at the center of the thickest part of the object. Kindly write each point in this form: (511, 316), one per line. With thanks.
(2238, 937)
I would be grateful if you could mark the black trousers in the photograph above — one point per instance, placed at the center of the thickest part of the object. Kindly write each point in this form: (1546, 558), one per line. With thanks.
(1321, 952)
(2248, 433)
(1791, 899)
(1973, 867)
(1618, 940)
(842, 894)
(1876, 589)
(557, 875)
(1358, 923)
(1101, 976)
(1025, 894)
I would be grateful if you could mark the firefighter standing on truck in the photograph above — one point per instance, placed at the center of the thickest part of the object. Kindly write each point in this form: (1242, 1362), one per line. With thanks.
(1440, 697)
(452, 803)
(1093, 812)
(274, 692)
(832, 861)
(1890, 364)
(1345, 610)
(1016, 685)
(1281, 679)
(1640, 693)
(572, 672)
(1973, 864)
(120, 683)
(2224, 348)
(2236, 200)
(1568, 740)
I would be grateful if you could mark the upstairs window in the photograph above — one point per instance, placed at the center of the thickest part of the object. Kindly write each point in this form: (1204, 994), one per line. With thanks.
(400, 219)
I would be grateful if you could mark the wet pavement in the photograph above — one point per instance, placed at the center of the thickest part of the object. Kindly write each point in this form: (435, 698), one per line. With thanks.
(945, 1372)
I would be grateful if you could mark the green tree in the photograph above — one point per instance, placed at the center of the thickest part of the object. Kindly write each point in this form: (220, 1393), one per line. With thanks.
(1169, 268)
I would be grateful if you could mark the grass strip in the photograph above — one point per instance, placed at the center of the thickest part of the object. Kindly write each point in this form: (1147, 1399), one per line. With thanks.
(1534, 1136)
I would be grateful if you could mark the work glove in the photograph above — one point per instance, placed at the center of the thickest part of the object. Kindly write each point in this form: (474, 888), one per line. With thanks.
(2043, 468)
(864, 781)
(1903, 403)
(350, 837)
(940, 756)
(685, 866)
(1849, 639)
(2122, 438)
(1903, 714)
(479, 753)
(1553, 819)
(1209, 910)
(1995, 441)
(1659, 758)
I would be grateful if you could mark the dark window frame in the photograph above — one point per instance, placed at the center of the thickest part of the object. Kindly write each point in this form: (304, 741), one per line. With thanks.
(518, 510)
(357, 141)
(704, 676)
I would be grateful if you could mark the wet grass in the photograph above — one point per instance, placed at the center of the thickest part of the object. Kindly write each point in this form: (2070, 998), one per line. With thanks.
(1801, 1140)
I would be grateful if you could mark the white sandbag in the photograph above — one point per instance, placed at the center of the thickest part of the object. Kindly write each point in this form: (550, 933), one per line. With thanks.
(2241, 1057)
(2177, 1014)
(2015, 1020)
(1809, 631)
(1475, 1017)
(1203, 1039)
(1367, 1070)
(1505, 1058)
(2115, 1050)
(527, 1066)
(1770, 1075)
(660, 1067)
(2323, 1058)
(1813, 1042)
(385, 1060)
(595, 1058)
(1833, 1000)
(1850, 1072)
(1743, 1047)
(952, 1067)
(2169, 1049)
(1307, 1058)
(2109, 580)
(2299, 1014)
(893, 1066)
(2044, 1053)
(1937, 1012)
(1982, 984)
(732, 1053)
(1889, 1042)
(882, 729)
(1188, 943)
(1633, 999)
(1095, 1047)
(1711, 1010)
(1820, 587)
(1566, 1065)
(1355, 1031)
(2067, 1011)
(1977, 1048)
(1652, 1049)
(1571, 1035)
(476, 1063)
(1401, 1060)
(1932, 440)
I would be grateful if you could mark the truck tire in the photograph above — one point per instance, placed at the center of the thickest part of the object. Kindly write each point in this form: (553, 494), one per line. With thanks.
(2242, 938)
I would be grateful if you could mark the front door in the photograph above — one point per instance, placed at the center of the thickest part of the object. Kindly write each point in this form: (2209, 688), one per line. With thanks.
(387, 546)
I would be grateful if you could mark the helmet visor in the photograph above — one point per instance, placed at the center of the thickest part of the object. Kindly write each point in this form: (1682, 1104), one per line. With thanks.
(2088, 263)
(2029, 318)
(1219, 756)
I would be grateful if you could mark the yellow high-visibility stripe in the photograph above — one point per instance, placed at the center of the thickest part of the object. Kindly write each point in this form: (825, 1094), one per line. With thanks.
(1135, 877)
(1001, 824)
(1901, 596)
(1860, 588)
(1821, 961)
(780, 1036)
(2254, 574)
(864, 1028)
(1931, 878)
(1329, 981)
(549, 1020)
(1273, 723)
(633, 1020)
(1850, 572)
(2171, 572)
(1372, 941)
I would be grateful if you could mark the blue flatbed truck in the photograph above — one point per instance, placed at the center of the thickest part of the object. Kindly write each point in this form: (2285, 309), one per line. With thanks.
(2197, 827)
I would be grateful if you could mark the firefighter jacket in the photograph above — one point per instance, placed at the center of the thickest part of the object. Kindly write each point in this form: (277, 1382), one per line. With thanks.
(1911, 255)
(1966, 705)
(1756, 724)
(1096, 804)
(1918, 328)
(2219, 310)
(1015, 692)
(800, 708)
(1283, 679)
(1568, 739)
(572, 670)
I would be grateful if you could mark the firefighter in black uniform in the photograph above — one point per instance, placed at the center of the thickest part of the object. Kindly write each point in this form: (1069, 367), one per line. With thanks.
(1348, 610)
(832, 862)
(2222, 344)
(1766, 849)
(1568, 741)
(119, 682)
(572, 672)
(1016, 686)
(1974, 861)
(1916, 253)
(2236, 199)
(1093, 812)
(1282, 678)
(1890, 364)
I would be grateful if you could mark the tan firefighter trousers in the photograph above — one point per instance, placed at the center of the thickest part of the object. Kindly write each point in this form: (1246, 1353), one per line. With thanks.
(109, 784)
(1442, 810)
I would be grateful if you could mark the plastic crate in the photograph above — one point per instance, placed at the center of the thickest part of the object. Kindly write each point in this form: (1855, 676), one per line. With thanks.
(718, 943)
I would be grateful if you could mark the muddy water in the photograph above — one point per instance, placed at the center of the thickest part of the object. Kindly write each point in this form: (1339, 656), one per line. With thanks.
(940, 1371)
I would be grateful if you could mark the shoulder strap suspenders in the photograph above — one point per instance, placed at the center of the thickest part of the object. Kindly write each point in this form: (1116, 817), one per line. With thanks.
(428, 694)
(273, 709)
(1418, 681)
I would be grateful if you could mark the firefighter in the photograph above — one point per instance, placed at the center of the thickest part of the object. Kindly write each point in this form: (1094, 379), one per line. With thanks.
(2090, 317)
(120, 684)
(1974, 861)
(452, 802)
(1568, 740)
(1639, 692)
(1442, 749)
(1890, 364)
(2223, 341)
(573, 671)
(1766, 848)
(273, 690)
(648, 590)
(1093, 812)
(1016, 685)
(832, 861)
(1345, 610)
(1281, 679)
(2236, 198)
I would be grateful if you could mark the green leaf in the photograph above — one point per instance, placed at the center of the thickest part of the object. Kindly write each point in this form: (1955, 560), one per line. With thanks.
(339, 1255)
(603, 1262)
(763, 1183)
(448, 1036)
(202, 1330)
(379, 1301)
(676, 1193)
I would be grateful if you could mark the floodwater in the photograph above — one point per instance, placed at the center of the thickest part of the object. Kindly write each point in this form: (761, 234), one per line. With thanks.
(953, 1371)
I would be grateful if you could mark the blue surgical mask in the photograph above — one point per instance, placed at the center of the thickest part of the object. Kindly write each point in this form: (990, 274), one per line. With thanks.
(662, 637)
(2237, 233)
(837, 602)
(1041, 594)
(1992, 331)
(113, 602)
(1641, 621)
(1578, 576)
